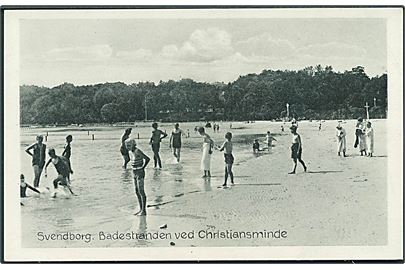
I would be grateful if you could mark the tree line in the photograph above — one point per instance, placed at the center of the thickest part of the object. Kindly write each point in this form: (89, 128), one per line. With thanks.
(312, 93)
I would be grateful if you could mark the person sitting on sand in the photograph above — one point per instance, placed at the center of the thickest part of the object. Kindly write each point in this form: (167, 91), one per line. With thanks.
(341, 137)
(296, 149)
(38, 158)
(157, 136)
(62, 168)
(175, 141)
(227, 147)
(68, 151)
(269, 140)
(369, 139)
(139, 162)
(208, 144)
(23, 187)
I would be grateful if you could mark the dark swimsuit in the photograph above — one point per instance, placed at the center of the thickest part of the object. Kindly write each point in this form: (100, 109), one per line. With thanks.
(295, 151)
(229, 158)
(176, 139)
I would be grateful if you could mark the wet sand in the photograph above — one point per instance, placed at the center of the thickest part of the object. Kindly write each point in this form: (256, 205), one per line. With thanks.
(338, 201)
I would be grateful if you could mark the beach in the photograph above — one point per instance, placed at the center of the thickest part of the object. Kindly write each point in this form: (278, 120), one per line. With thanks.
(338, 201)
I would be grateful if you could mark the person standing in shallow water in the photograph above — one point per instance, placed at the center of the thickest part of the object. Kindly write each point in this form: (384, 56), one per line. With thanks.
(123, 148)
(139, 163)
(208, 144)
(296, 149)
(227, 147)
(68, 152)
(175, 141)
(157, 136)
(38, 158)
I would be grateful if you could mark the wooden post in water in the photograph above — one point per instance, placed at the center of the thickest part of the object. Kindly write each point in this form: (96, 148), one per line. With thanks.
(138, 135)
(88, 132)
(92, 137)
(46, 137)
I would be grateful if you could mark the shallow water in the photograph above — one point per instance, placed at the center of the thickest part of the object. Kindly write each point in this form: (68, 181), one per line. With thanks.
(105, 190)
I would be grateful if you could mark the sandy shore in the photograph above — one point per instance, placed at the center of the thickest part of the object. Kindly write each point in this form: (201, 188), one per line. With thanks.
(339, 201)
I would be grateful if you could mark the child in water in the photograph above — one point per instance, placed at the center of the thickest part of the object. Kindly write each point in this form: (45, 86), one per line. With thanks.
(139, 163)
(24, 186)
(157, 136)
(62, 168)
(256, 146)
(269, 140)
(227, 147)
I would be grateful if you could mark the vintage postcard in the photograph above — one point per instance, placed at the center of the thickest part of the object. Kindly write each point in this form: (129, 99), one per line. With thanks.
(203, 134)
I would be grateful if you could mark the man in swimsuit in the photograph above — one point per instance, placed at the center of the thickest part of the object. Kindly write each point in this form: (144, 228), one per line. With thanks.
(139, 163)
(38, 158)
(157, 136)
(123, 149)
(175, 141)
(68, 151)
(62, 168)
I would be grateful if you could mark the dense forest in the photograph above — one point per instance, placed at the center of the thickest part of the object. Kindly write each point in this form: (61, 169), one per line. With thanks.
(312, 93)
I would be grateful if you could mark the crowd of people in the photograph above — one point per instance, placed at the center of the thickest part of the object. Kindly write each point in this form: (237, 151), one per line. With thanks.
(364, 138)
(139, 160)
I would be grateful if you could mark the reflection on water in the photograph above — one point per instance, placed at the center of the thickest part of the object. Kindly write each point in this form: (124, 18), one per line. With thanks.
(142, 229)
(207, 185)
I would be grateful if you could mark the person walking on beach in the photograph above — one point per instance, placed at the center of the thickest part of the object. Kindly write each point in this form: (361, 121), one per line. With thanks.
(369, 139)
(68, 151)
(139, 162)
(157, 136)
(62, 168)
(123, 148)
(227, 147)
(23, 187)
(175, 141)
(341, 140)
(38, 158)
(208, 144)
(296, 149)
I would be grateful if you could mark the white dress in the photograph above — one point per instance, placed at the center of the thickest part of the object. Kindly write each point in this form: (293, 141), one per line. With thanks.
(341, 140)
(206, 157)
(369, 136)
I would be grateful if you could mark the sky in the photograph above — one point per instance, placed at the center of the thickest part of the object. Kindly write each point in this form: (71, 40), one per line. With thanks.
(90, 51)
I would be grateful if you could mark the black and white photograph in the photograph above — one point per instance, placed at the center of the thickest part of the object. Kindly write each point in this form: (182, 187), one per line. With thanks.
(169, 133)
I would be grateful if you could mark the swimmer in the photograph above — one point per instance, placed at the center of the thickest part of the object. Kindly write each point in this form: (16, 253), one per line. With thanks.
(157, 136)
(62, 168)
(139, 162)
(23, 187)
(227, 147)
